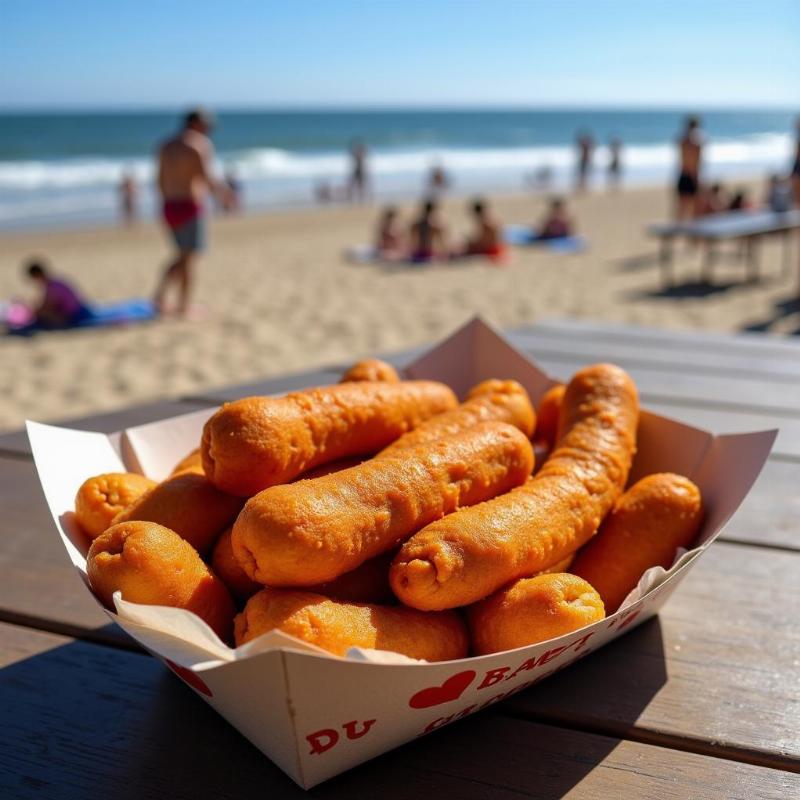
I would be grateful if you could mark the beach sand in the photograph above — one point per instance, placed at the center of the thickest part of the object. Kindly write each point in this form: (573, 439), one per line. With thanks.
(278, 297)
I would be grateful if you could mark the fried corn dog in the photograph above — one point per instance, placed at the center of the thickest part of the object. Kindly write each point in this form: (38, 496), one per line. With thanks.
(335, 626)
(468, 555)
(368, 583)
(192, 462)
(152, 565)
(656, 516)
(189, 504)
(547, 415)
(258, 442)
(313, 531)
(532, 610)
(230, 571)
(371, 369)
(102, 497)
(504, 401)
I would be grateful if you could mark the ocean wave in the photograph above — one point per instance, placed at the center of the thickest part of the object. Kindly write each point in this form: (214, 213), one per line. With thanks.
(272, 163)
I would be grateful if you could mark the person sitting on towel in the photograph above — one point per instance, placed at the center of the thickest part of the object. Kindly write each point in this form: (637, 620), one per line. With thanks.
(557, 224)
(60, 305)
(428, 235)
(487, 239)
(389, 239)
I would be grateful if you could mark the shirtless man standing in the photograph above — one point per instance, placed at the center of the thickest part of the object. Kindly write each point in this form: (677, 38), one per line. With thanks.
(184, 181)
(690, 148)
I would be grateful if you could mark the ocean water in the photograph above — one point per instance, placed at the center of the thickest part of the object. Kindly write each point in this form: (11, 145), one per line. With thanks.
(60, 169)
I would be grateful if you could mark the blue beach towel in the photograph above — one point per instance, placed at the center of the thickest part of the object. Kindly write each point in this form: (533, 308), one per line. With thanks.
(98, 316)
(523, 236)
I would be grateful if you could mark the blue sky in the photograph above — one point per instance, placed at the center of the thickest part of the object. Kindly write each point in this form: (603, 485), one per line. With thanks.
(115, 53)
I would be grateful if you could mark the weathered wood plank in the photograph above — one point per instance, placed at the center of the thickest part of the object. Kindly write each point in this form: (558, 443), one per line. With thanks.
(711, 341)
(86, 721)
(691, 360)
(680, 389)
(717, 671)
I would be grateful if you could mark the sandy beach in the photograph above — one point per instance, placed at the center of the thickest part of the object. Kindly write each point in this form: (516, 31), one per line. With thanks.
(277, 296)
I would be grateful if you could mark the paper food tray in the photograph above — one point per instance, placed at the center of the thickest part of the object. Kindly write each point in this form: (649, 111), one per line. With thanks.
(315, 714)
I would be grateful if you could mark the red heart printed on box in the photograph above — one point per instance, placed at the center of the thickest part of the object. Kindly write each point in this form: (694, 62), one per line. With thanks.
(450, 690)
(189, 677)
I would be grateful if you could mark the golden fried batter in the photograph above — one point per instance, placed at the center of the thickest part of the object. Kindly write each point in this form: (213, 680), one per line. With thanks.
(503, 401)
(192, 462)
(189, 504)
(337, 626)
(313, 531)
(533, 610)
(258, 442)
(152, 565)
(655, 517)
(547, 415)
(468, 555)
(102, 497)
(230, 571)
(371, 369)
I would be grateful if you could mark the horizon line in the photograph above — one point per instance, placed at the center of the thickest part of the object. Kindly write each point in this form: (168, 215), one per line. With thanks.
(389, 108)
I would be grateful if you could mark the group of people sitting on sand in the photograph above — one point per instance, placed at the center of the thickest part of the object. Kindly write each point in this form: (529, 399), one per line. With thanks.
(426, 238)
(716, 199)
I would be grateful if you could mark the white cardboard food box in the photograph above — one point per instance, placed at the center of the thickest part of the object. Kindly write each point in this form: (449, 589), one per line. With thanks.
(271, 689)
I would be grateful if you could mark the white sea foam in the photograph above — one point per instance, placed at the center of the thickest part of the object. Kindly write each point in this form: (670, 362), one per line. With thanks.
(71, 189)
(254, 164)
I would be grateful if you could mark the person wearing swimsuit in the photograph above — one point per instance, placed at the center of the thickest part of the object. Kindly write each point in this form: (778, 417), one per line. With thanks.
(184, 181)
(688, 185)
(427, 236)
(795, 173)
(557, 224)
(488, 237)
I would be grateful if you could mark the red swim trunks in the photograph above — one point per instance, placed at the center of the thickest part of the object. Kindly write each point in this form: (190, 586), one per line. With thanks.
(178, 212)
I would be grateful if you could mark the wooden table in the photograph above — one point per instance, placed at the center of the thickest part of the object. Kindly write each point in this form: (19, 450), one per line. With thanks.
(748, 227)
(701, 702)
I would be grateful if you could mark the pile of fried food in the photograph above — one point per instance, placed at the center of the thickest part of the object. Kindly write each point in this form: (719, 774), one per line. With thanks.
(381, 513)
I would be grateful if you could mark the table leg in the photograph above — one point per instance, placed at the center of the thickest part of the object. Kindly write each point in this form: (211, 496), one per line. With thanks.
(706, 275)
(787, 252)
(752, 260)
(665, 261)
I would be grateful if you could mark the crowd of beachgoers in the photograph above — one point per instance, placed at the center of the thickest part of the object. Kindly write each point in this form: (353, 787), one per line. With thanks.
(245, 295)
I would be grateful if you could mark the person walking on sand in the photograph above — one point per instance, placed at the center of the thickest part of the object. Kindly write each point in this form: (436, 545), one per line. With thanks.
(184, 181)
(690, 147)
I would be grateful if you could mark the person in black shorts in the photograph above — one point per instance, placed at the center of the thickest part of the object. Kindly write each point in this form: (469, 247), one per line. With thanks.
(690, 149)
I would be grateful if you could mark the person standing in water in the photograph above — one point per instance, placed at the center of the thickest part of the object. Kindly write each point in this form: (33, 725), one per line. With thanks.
(614, 162)
(690, 148)
(585, 151)
(127, 198)
(357, 187)
(184, 182)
